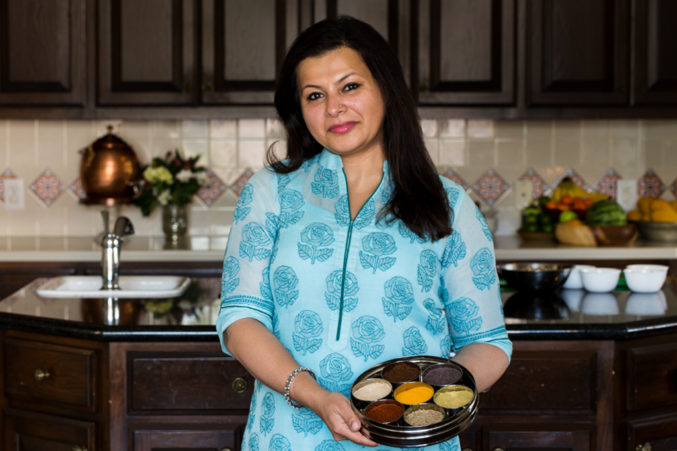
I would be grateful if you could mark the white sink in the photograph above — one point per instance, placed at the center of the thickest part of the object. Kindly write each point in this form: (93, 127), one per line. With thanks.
(130, 287)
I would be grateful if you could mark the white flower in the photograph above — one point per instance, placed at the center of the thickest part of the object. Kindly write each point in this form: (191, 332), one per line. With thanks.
(202, 178)
(164, 196)
(184, 175)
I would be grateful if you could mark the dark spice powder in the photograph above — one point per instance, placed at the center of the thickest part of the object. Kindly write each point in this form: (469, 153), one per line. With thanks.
(385, 411)
(401, 372)
(441, 375)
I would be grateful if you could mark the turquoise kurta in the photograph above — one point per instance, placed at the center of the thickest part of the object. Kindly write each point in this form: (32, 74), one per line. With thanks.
(344, 295)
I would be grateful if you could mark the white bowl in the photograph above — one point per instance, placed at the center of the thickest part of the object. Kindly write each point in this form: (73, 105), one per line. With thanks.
(599, 304)
(600, 280)
(574, 281)
(645, 278)
(646, 304)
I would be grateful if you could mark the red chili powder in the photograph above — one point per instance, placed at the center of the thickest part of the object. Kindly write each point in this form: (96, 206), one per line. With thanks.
(385, 411)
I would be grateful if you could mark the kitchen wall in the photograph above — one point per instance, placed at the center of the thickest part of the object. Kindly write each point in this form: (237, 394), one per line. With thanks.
(487, 157)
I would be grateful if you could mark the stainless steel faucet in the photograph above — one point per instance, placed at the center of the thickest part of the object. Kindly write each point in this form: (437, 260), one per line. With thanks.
(110, 246)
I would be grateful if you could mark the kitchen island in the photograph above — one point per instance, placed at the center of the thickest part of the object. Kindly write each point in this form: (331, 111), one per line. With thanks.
(588, 372)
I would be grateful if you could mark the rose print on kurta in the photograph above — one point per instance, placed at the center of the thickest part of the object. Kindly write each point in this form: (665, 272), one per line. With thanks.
(375, 250)
(333, 293)
(367, 331)
(427, 269)
(464, 317)
(364, 217)
(291, 203)
(285, 283)
(485, 226)
(255, 242)
(414, 344)
(254, 442)
(305, 422)
(436, 322)
(452, 195)
(336, 373)
(244, 203)
(229, 280)
(268, 415)
(314, 241)
(399, 297)
(408, 234)
(329, 445)
(279, 442)
(325, 183)
(264, 285)
(454, 251)
(482, 266)
(307, 330)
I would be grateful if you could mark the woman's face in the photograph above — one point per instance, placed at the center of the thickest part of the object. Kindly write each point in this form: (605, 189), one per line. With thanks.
(341, 102)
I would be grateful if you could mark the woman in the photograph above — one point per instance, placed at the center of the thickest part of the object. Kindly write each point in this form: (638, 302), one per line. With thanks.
(342, 256)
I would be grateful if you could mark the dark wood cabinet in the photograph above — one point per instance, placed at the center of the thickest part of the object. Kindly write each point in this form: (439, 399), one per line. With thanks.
(577, 52)
(31, 431)
(146, 52)
(466, 52)
(43, 53)
(655, 65)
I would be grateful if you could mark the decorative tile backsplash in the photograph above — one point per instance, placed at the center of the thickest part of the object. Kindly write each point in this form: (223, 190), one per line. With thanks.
(486, 157)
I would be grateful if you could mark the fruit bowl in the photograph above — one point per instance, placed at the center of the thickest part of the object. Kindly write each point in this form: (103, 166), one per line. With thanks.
(658, 231)
(614, 235)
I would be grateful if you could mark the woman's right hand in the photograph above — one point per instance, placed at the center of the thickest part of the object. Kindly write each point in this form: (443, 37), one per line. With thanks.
(337, 413)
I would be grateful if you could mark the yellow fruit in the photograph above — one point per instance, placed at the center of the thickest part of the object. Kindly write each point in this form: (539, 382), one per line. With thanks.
(644, 205)
(634, 215)
(664, 215)
(673, 204)
(660, 204)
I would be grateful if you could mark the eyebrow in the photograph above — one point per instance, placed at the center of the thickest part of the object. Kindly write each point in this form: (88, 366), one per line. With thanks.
(337, 81)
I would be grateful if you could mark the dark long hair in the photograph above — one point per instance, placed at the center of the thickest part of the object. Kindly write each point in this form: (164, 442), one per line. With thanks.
(418, 199)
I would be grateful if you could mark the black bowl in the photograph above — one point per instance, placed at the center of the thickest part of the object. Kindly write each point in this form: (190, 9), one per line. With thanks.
(534, 276)
(536, 305)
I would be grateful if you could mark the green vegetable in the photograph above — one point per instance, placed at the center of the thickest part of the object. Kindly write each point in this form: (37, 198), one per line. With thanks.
(605, 212)
(567, 215)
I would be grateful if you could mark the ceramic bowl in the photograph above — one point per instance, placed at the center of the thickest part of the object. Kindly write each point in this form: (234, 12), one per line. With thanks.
(658, 231)
(574, 281)
(645, 278)
(599, 304)
(615, 235)
(600, 280)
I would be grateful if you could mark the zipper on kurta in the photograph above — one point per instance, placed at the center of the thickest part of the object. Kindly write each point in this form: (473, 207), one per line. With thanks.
(346, 251)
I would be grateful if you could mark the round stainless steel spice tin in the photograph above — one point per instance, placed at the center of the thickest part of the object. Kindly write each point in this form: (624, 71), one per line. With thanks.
(401, 434)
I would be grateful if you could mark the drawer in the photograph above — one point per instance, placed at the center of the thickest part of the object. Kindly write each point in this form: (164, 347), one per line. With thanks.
(652, 376)
(166, 382)
(554, 380)
(47, 373)
(30, 431)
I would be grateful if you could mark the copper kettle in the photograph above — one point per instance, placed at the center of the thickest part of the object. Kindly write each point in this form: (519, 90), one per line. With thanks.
(109, 171)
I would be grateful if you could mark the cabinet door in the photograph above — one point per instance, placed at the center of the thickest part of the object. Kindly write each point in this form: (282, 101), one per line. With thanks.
(146, 52)
(654, 434)
(577, 52)
(29, 431)
(224, 436)
(42, 53)
(243, 44)
(655, 74)
(465, 52)
(536, 436)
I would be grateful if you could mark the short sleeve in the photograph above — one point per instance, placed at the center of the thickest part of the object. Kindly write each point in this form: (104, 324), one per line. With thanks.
(470, 286)
(245, 290)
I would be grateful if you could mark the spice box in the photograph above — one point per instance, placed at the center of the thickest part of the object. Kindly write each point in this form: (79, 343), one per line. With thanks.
(415, 401)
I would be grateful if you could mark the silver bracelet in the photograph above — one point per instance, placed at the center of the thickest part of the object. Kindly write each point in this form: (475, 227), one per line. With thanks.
(290, 379)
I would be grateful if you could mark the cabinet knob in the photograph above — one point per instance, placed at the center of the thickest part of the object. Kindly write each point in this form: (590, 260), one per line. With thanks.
(40, 375)
(226, 449)
(643, 447)
(239, 385)
(79, 448)
(207, 87)
(498, 449)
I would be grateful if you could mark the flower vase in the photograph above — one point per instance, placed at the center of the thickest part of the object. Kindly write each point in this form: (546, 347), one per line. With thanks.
(174, 222)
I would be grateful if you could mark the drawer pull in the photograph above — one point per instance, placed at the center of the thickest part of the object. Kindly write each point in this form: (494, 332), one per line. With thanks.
(239, 385)
(498, 449)
(79, 448)
(226, 449)
(40, 375)
(643, 447)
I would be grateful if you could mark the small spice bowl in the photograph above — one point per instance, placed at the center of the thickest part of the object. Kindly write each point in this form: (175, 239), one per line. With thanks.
(400, 372)
(412, 393)
(441, 374)
(453, 396)
(369, 390)
(426, 414)
(384, 411)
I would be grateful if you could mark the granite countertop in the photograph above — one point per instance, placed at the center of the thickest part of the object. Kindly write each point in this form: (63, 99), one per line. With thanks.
(564, 315)
(210, 248)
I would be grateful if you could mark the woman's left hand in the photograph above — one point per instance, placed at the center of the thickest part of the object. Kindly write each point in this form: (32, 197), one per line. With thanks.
(338, 415)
